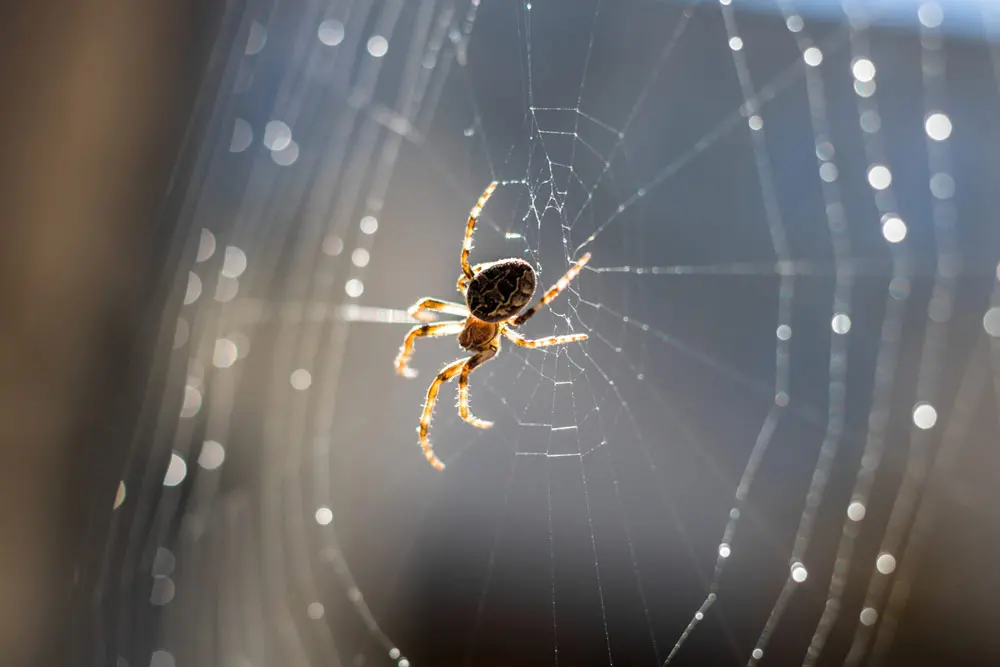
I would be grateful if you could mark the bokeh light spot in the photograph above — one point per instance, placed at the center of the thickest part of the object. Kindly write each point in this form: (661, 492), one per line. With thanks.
(225, 353)
(162, 658)
(235, 262)
(930, 14)
(942, 186)
(192, 402)
(924, 415)
(863, 69)
(176, 471)
(212, 455)
(287, 156)
(324, 516)
(301, 379)
(206, 246)
(879, 176)
(193, 290)
(120, 495)
(354, 288)
(164, 562)
(378, 46)
(331, 32)
(360, 257)
(938, 126)
(163, 591)
(893, 228)
(885, 563)
(991, 321)
(332, 245)
(256, 39)
(277, 135)
(242, 136)
(841, 323)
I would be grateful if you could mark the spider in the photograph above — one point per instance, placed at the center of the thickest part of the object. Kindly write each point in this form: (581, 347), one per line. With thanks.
(496, 294)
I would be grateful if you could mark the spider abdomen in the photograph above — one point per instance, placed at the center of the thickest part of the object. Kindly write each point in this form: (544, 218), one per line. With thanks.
(500, 290)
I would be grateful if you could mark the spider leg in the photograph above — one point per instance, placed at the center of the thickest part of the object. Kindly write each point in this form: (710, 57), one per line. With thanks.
(463, 386)
(518, 339)
(429, 330)
(463, 280)
(424, 309)
(553, 291)
(473, 218)
(446, 373)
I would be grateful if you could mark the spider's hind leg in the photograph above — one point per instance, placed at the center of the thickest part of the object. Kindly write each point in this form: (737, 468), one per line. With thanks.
(463, 385)
(445, 374)
(424, 330)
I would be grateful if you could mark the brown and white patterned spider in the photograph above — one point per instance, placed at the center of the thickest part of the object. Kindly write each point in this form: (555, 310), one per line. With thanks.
(495, 296)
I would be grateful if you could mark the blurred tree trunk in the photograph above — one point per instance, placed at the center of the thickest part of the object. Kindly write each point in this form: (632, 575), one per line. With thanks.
(96, 97)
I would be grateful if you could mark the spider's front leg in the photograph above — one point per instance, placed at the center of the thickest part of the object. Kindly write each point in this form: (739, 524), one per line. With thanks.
(553, 291)
(424, 330)
(471, 225)
(518, 339)
(463, 385)
(424, 309)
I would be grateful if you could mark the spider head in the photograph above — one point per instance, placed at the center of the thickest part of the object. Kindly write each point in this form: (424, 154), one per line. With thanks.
(500, 289)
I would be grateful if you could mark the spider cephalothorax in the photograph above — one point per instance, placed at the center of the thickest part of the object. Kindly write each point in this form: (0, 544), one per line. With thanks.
(496, 294)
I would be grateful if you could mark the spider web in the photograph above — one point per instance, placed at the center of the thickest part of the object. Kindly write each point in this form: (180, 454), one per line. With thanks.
(792, 311)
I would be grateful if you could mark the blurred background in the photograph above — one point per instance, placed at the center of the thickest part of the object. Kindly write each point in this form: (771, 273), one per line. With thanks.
(779, 444)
